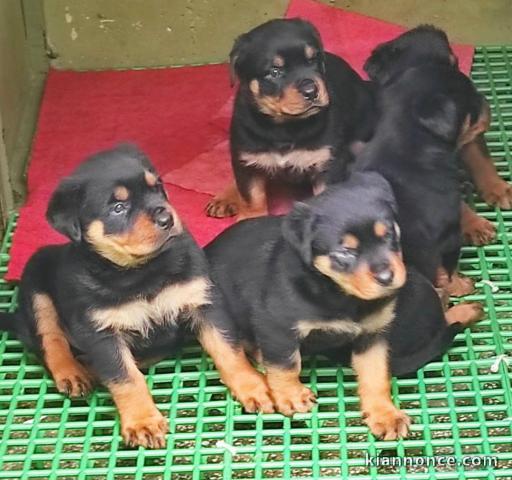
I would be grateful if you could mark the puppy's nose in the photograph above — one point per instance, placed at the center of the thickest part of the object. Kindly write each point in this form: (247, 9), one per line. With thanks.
(162, 218)
(382, 273)
(308, 89)
(384, 278)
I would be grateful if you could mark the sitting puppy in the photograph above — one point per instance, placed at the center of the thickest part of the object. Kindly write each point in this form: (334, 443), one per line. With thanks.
(297, 110)
(332, 265)
(428, 45)
(119, 293)
(427, 112)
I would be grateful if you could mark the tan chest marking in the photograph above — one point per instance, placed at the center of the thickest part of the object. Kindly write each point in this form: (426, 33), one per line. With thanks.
(297, 160)
(141, 315)
(369, 324)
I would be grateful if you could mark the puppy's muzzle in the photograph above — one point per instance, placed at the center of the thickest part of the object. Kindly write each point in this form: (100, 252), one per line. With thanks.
(162, 218)
(383, 274)
(308, 89)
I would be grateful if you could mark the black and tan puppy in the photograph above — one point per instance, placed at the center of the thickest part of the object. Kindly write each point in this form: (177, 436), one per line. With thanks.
(297, 110)
(119, 293)
(426, 113)
(333, 265)
(426, 45)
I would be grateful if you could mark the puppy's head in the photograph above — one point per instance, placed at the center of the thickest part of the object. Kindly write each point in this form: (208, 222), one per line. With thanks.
(115, 203)
(350, 234)
(280, 65)
(445, 103)
(419, 46)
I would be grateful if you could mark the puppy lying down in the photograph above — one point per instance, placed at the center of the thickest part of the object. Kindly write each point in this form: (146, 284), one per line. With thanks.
(327, 277)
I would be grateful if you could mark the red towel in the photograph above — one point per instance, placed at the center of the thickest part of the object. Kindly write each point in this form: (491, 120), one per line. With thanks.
(179, 116)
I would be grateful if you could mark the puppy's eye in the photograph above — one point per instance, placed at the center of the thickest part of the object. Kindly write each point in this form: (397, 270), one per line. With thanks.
(343, 258)
(275, 72)
(119, 207)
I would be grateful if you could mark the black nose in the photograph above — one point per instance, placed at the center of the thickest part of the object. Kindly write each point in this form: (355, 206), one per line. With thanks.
(308, 89)
(383, 274)
(162, 218)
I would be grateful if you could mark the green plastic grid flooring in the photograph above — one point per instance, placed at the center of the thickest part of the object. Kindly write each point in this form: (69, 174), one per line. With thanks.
(460, 407)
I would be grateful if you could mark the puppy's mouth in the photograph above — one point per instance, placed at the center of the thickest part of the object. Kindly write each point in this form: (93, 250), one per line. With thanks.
(301, 100)
(143, 242)
(364, 283)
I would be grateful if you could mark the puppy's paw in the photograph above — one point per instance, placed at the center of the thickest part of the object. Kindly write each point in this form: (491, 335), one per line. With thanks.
(498, 193)
(459, 286)
(73, 380)
(387, 423)
(465, 313)
(145, 431)
(478, 230)
(254, 395)
(299, 399)
(221, 207)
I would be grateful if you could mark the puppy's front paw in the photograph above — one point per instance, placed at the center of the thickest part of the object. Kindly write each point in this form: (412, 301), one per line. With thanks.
(388, 423)
(220, 207)
(145, 431)
(459, 286)
(298, 399)
(465, 313)
(73, 380)
(498, 193)
(254, 395)
(478, 231)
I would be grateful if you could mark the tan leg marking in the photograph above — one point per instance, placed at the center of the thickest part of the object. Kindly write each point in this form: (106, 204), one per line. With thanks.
(476, 230)
(493, 189)
(378, 410)
(71, 378)
(465, 313)
(225, 203)
(456, 286)
(257, 205)
(289, 394)
(141, 422)
(246, 384)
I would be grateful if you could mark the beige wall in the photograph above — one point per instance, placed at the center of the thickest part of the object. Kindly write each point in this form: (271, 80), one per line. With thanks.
(105, 34)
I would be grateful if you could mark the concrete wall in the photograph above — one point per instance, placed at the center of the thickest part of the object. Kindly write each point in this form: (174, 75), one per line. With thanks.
(96, 34)
(23, 66)
(106, 34)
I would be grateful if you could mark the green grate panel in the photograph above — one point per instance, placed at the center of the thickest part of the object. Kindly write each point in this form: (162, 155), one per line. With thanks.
(460, 407)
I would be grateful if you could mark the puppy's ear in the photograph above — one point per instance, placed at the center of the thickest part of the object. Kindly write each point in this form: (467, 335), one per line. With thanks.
(63, 209)
(236, 55)
(379, 65)
(297, 229)
(438, 114)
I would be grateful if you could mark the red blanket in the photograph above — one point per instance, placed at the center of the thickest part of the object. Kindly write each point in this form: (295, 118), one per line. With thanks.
(179, 116)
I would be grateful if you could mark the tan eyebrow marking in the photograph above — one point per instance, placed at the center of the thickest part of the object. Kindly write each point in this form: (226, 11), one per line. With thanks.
(278, 61)
(350, 241)
(380, 229)
(121, 193)
(309, 51)
(150, 178)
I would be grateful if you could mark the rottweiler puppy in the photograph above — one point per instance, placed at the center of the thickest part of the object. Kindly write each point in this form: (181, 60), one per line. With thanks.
(119, 293)
(332, 265)
(297, 111)
(426, 113)
(427, 44)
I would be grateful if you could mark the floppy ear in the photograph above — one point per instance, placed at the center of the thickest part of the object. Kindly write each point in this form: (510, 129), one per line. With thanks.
(63, 210)
(438, 114)
(378, 65)
(235, 56)
(297, 229)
